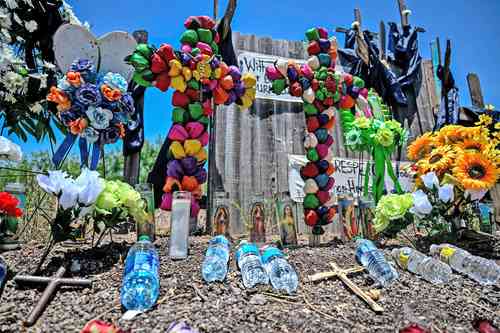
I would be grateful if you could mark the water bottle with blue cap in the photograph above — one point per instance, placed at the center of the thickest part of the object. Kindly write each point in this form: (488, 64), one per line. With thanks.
(374, 261)
(280, 272)
(141, 284)
(214, 267)
(250, 265)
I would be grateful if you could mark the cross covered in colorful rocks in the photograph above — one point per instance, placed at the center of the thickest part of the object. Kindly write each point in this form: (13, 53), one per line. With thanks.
(324, 91)
(201, 79)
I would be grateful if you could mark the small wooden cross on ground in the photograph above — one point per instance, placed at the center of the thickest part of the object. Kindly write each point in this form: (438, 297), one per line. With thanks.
(342, 275)
(52, 284)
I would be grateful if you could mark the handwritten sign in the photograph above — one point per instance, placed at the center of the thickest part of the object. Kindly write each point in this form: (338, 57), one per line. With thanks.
(348, 175)
(256, 63)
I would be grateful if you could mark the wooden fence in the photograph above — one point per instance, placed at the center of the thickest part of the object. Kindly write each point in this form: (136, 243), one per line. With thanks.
(252, 146)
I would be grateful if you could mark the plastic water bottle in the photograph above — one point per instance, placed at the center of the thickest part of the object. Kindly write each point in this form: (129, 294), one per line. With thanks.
(481, 270)
(250, 265)
(214, 267)
(430, 269)
(3, 271)
(374, 261)
(141, 283)
(281, 274)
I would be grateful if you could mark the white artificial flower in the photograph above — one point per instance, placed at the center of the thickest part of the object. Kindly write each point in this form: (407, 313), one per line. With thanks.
(17, 19)
(430, 180)
(29, 3)
(69, 194)
(54, 182)
(9, 98)
(446, 193)
(5, 21)
(12, 4)
(69, 15)
(9, 150)
(421, 204)
(90, 185)
(36, 108)
(31, 26)
(49, 65)
(475, 194)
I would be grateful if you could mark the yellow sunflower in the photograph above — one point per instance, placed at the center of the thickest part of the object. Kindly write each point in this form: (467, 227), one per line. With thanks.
(421, 147)
(475, 171)
(450, 134)
(485, 120)
(439, 160)
(477, 146)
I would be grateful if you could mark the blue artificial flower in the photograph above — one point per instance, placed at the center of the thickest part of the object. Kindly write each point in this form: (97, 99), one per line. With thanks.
(64, 85)
(91, 134)
(99, 118)
(115, 81)
(127, 104)
(82, 65)
(110, 135)
(88, 94)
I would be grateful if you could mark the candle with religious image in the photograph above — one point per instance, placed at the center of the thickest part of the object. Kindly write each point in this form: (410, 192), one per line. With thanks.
(147, 228)
(179, 225)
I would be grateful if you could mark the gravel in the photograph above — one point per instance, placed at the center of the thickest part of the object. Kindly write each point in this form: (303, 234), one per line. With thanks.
(326, 306)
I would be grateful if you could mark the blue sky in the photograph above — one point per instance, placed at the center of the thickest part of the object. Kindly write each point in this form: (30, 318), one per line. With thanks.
(471, 26)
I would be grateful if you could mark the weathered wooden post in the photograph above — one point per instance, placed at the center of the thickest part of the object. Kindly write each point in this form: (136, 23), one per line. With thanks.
(132, 152)
(476, 94)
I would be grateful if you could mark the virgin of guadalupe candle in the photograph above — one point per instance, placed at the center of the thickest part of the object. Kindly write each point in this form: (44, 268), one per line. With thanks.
(179, 225)
(147, 228)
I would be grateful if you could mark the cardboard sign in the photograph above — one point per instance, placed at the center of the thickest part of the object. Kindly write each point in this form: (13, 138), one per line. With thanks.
(256, 64)
(348, 175)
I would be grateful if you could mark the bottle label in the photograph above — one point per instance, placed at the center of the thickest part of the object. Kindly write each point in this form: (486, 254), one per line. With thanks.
(446, 253)
(142, 261)
(403, 259)
(245, 249)
(219, 240)
(271, 252)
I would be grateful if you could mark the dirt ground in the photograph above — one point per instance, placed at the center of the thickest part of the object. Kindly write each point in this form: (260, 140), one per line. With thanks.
(326, 306)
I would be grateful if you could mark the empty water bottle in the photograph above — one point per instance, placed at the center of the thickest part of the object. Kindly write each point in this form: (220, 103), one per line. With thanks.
(481, 270)
(281, 274)
(428, 268)
(140, 286)
(3, 271)
(214, 267)
(250, 265)
(374, 261)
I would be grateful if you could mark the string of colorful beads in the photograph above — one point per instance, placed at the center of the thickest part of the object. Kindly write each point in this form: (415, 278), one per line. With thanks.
(323, 91)
(198, 75)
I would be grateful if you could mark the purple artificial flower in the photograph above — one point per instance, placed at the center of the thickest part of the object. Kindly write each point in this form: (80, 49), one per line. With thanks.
(68, 116)
(110, 135)
(180, 327)
(82, 65)
(126, 104)
(88, 94)
(239, 89)
(185, 58)
(215, 63)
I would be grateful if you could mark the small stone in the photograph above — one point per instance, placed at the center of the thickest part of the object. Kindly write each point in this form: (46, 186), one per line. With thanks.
(258, 299)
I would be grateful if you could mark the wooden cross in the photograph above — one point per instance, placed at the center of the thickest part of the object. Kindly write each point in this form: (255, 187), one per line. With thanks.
(405, 12)
(52, 284)
(342, 275)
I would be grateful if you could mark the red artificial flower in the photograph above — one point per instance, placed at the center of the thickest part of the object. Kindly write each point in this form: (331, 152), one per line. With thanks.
(8, 205)
(414, 328)
(99, 326)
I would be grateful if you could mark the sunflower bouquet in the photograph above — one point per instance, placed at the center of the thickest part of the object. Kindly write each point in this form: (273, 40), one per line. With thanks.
(369, 127)
(468, 157)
